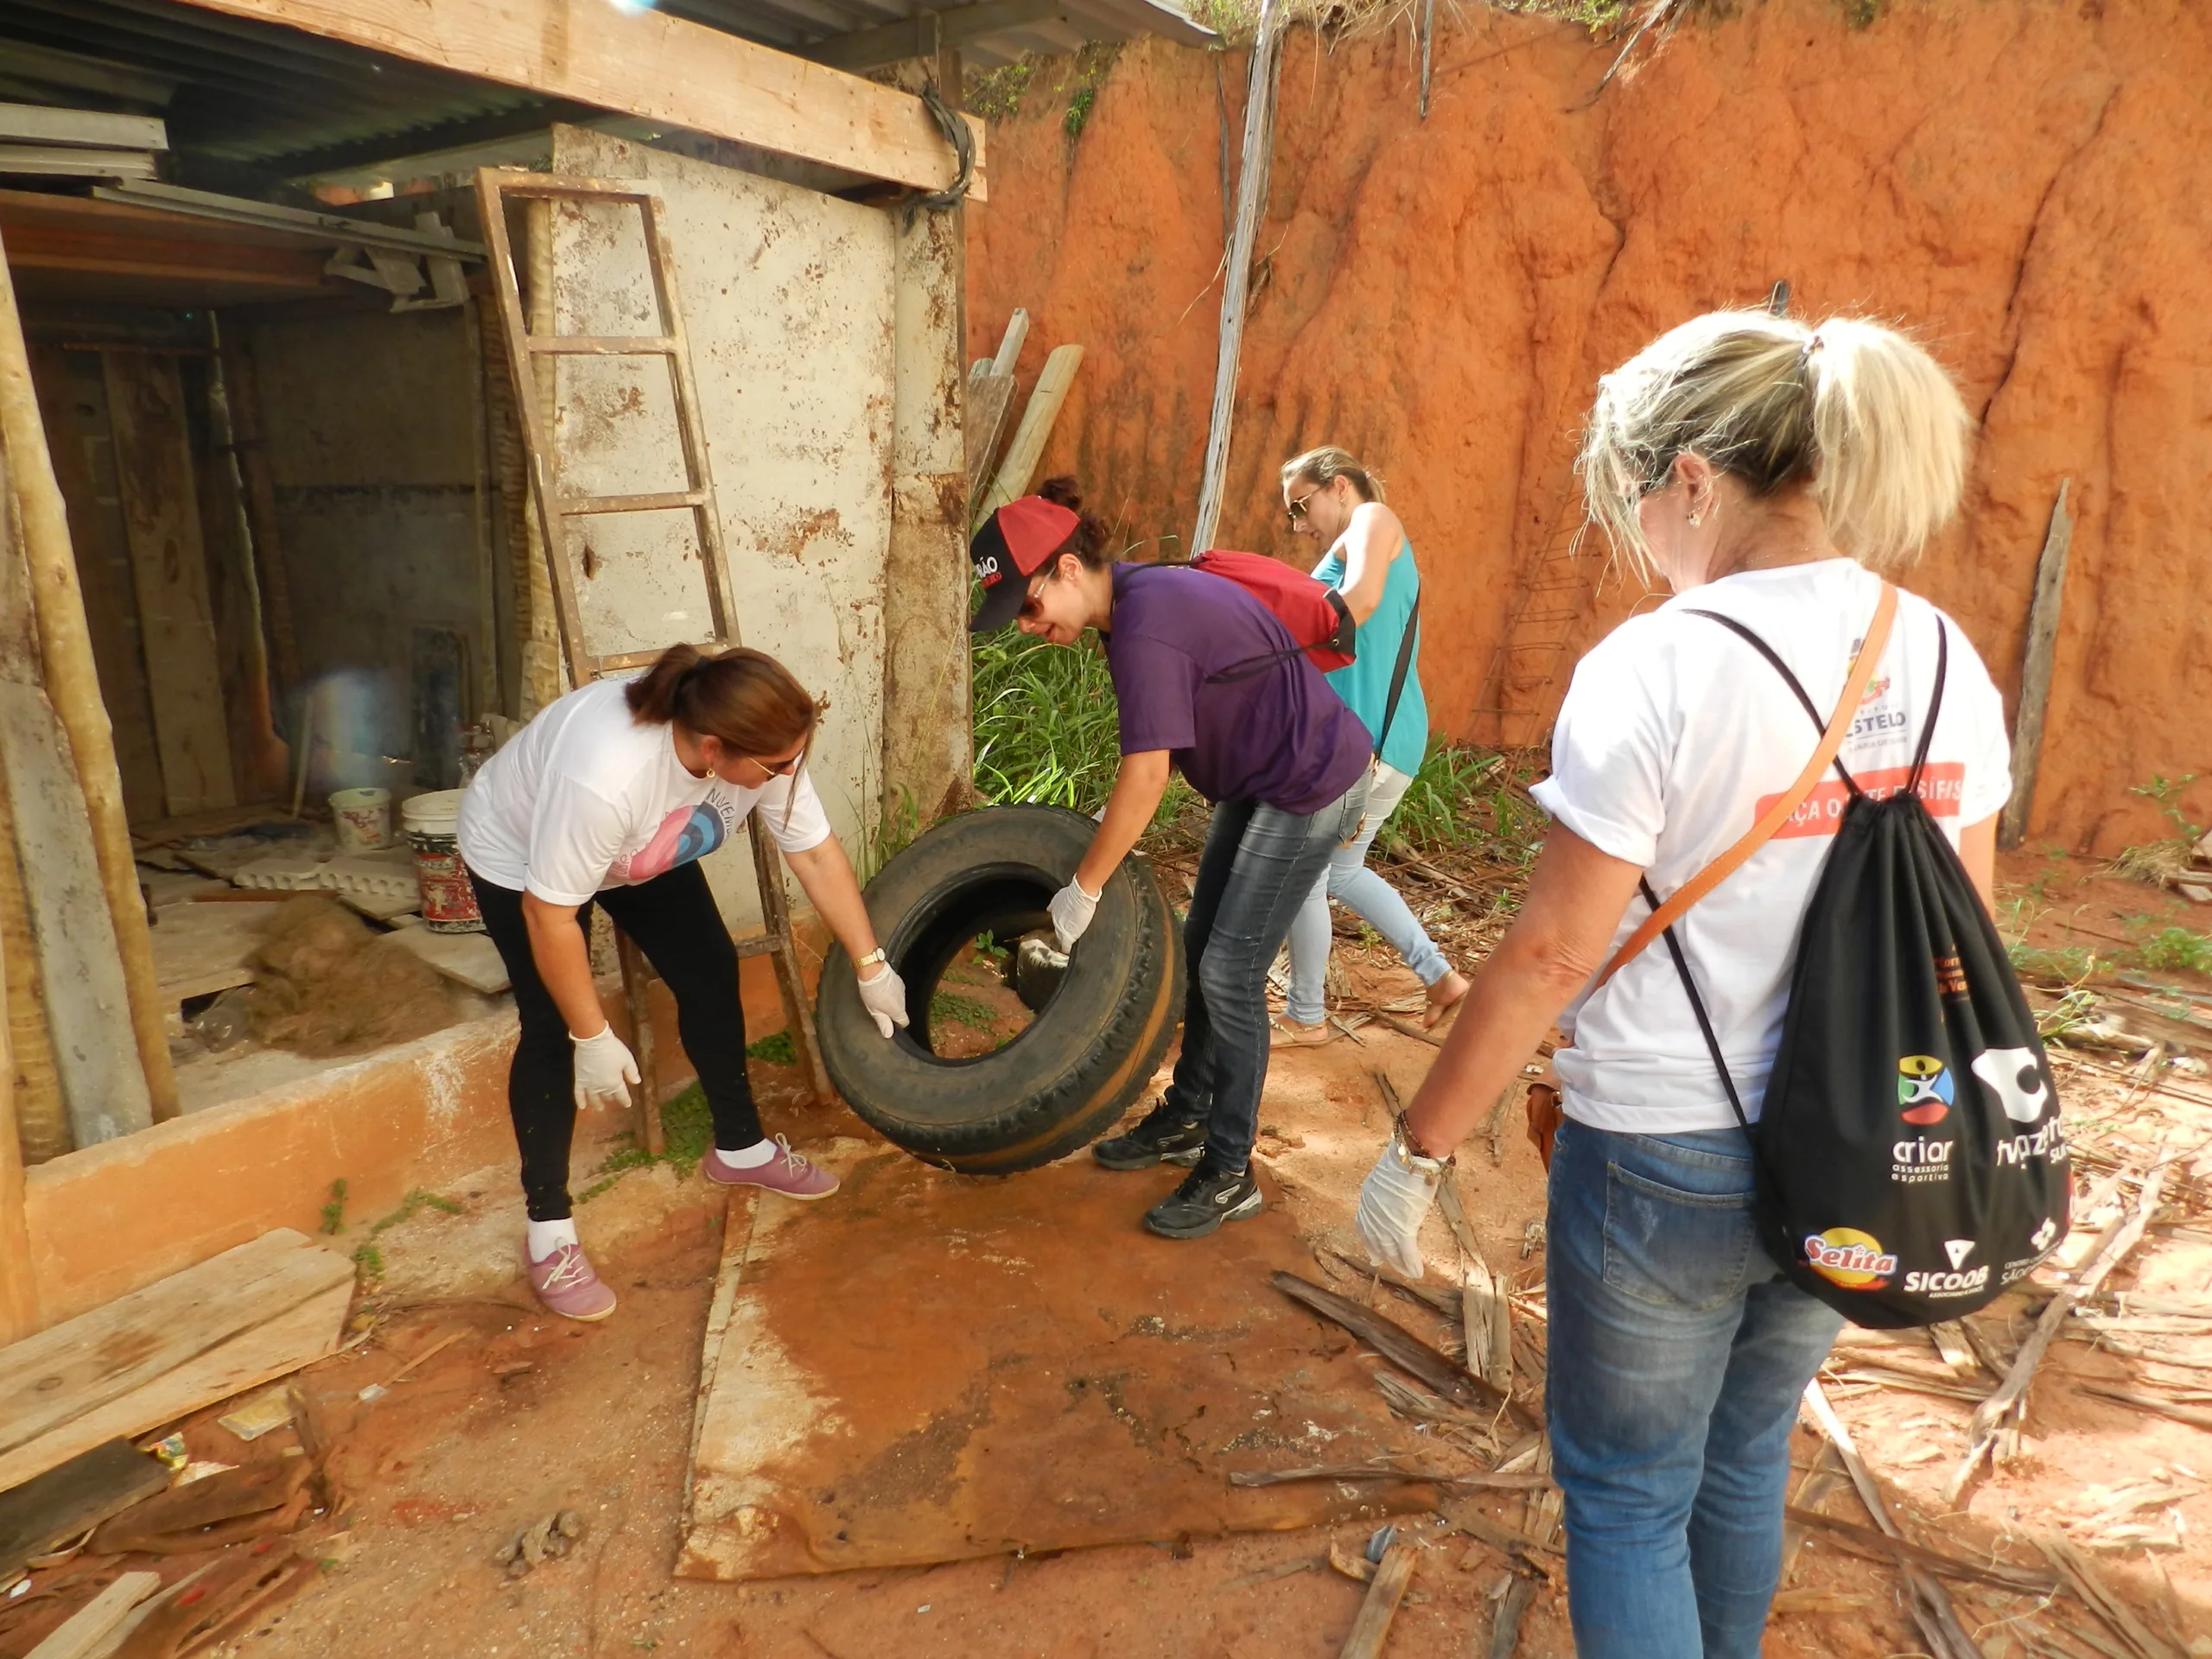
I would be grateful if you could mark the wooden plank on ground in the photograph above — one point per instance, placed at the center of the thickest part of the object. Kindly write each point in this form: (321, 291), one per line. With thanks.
(1387, 1588)
(305, 1334)
(90, 1624)
(643, 62)
(199, 950)
(74, 1496)
(176, 627)
(73, 1368)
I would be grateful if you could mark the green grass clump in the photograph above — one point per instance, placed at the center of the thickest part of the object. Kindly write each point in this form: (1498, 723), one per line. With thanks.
(2178, 949)
(2070, 965)
(333, 1213)
(996, 94)
(774, 1049)
(1048, 732)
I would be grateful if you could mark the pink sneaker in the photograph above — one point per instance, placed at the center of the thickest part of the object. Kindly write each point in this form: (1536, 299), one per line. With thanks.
(564, 1282)
(789, 1172)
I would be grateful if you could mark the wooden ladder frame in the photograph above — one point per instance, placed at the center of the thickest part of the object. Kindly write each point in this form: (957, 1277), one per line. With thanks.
(555, 508)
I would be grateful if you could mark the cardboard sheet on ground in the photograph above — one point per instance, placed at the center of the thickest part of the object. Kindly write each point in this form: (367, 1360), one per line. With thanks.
(930, 1367)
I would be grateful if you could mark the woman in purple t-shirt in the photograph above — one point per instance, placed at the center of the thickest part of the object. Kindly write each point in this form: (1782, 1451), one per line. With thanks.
(1210, 682)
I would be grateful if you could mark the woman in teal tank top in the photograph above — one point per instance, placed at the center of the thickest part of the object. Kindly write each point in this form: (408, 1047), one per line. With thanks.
(1331, 497)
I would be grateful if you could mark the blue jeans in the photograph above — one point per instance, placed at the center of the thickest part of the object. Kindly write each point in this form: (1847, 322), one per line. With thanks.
(1259, 864)
(1678, 1353)
(1374, 901)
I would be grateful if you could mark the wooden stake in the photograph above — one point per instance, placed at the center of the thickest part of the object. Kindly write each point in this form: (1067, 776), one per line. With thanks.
(1372, 1627)
(2035, 671)
(1928, 1602)
(1988, 1418)
(72, 684)
(1236, 280)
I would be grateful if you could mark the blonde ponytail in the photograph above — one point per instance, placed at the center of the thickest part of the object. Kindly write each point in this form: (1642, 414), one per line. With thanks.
(1854, 411)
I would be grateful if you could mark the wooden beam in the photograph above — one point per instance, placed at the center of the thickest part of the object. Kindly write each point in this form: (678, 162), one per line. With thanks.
(65, 647)
(2036, 670)
(648, 64)
(18, 1282)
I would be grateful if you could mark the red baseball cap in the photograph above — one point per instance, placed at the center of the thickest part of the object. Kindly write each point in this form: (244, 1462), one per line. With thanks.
(1014, 544)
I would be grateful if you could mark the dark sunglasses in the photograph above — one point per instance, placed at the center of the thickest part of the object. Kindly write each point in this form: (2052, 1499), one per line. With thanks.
(778, 768)
(1296, 510)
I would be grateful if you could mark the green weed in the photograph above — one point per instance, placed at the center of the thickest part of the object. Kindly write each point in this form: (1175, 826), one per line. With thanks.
(1079, 110)
(333, 1213)
(988, 946)
(893, 833)
(368, 1262)
(2157, 861)
(417, 1201)
(775, 1049)
(687, 1130)
(2178, 949)
(961, 1010)
(2036, 962)
(996, 94)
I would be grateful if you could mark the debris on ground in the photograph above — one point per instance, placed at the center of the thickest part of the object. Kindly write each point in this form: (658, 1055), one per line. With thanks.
(328, 983)
(548, 1540)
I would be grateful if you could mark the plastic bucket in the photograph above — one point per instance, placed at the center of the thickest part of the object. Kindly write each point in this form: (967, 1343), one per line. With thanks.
(363, 819)
(448, 901)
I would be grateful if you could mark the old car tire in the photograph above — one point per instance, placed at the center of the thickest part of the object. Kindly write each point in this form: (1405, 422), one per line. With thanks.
(1087, 1054)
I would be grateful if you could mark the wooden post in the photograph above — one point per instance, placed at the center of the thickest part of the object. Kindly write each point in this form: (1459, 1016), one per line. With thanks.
(250, 442)
(2034, 671)
(1236, 280)
(73, 684)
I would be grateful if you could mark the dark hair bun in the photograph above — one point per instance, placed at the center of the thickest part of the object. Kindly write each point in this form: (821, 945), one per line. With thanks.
(1061, 492)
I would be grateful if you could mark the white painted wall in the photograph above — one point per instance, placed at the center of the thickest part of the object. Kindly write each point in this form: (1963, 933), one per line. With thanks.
(788, 298)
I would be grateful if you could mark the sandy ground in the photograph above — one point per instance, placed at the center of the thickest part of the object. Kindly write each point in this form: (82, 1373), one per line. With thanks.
(525, 1415)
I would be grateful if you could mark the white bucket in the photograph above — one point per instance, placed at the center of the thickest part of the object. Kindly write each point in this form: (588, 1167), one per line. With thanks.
(363, 819)
(448, 900)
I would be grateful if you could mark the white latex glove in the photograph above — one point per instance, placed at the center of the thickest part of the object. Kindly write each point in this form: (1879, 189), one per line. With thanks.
(885, 999)
(604, 1067)
(1394, 1200)
(1071, 910)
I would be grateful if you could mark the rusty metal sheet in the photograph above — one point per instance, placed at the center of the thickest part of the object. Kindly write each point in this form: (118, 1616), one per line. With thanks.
(928, 1367)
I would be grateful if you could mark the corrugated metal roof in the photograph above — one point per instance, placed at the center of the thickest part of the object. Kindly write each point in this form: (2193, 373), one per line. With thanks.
(243, 97)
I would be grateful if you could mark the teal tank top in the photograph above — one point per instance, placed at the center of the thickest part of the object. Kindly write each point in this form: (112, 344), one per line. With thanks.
(1365, 684)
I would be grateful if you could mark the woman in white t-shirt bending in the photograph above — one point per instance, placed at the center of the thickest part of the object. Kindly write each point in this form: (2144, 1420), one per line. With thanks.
(611, 796)
(1766, 470)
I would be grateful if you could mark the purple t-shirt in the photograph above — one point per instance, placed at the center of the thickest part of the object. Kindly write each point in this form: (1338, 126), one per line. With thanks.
(1278, 735)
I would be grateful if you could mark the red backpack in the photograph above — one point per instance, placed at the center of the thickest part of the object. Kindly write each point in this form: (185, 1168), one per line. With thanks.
(1315, 615)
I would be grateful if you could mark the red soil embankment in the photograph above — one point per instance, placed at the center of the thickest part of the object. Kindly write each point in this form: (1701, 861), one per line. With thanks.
(2027, 185)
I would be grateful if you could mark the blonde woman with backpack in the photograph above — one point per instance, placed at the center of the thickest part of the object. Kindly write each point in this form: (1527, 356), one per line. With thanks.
(1772, 475)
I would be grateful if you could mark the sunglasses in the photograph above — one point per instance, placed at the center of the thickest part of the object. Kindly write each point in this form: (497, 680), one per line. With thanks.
(1296, 510)
(1032, 603)
(777, 768)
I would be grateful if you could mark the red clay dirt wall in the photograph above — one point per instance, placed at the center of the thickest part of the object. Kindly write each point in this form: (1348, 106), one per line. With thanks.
(2027, 184)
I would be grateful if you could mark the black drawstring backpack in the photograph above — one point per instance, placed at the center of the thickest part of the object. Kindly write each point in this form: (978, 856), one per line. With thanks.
(1910, 1160)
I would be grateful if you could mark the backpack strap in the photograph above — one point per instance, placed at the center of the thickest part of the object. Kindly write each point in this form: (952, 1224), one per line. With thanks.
(1344, 639)
(1785, 807)
(1398, 674)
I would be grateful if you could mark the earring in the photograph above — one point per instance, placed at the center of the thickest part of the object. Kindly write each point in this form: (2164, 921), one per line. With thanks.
(1696, 519)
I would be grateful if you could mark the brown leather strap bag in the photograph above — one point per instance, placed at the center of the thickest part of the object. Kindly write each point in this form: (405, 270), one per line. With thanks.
(1543, 1106)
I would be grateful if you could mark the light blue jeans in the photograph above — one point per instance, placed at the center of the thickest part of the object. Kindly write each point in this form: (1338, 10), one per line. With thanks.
(1678, 1353)
(1367, 895)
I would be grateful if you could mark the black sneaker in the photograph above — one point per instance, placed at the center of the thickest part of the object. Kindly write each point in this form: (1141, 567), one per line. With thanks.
(1207, 1198)
(1167, 1136)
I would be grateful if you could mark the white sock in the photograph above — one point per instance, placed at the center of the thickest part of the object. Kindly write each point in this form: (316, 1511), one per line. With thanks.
(750, 1157)
(547, 1236)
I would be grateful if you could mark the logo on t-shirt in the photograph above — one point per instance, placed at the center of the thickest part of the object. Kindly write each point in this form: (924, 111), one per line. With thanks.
(1943, 785)
(1925, 1089)
(687, 833)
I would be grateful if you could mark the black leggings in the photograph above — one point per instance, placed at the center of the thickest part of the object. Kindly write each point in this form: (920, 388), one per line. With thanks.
(673, 920)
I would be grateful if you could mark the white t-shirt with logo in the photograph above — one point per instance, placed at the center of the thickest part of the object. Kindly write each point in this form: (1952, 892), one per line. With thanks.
(1675, 736)
(585, 797)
